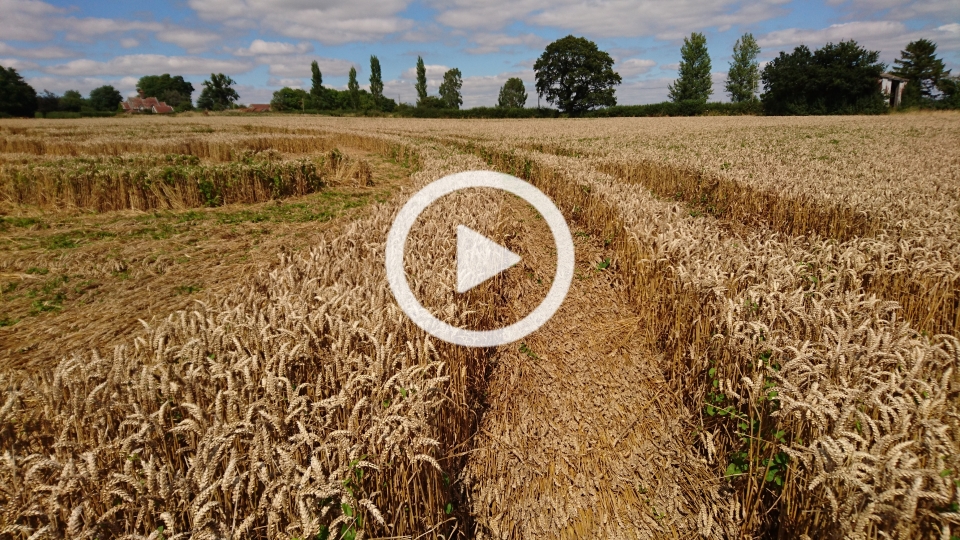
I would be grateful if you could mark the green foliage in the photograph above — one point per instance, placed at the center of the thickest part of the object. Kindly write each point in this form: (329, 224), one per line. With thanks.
(743, 78)
(291, 99)
(316, 80)
(421, 85)
(106, 98)
(684, 108)
(47, 102)
(513, 95)
(450, 89)
(353, 87)
(836, 79)
(432, 102)
(576, 76)
(376, 82)
(17, 98)
(918, 62)
(694, 83)
(218, 93)
(173, 91)
(71, 101)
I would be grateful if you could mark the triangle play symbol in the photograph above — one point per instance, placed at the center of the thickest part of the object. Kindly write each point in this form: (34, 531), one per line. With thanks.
(479, 258)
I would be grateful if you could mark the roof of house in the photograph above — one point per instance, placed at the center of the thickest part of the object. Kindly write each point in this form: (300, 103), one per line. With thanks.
(259, 107)
(893, 77)
(150, 103)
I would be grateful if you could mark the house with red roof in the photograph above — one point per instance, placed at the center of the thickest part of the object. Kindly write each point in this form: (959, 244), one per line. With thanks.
(143, 104)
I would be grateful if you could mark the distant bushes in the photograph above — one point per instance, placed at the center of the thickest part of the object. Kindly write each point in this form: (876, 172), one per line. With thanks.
(682, 108)
(70, 114)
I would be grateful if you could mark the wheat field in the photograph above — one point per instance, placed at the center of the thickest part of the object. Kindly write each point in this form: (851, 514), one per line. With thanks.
(761, 339)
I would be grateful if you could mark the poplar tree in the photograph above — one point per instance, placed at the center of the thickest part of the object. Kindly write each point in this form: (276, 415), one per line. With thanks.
(354, 88)
(421, 85)
(316, 87)
(376, 82)
(743, 79)
(694, 83)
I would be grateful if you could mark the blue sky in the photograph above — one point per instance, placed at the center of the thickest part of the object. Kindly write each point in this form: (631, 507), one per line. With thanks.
(267, 44)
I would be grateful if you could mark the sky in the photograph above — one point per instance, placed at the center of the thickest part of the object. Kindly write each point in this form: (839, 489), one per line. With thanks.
(267, 44)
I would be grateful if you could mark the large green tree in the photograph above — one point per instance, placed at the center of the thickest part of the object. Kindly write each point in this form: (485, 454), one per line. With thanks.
(316, 85)
(71, 101)
(17, 98)
(421, 85)
(836, 79)
(47, 102)
(376, 82)
(289, 99)
(694, 82)
(174, 91)
(743, 79)
(575, 75)
(105, 98)
(450, 89)
(218, 93)
(513, 95)
(918, 62)
(354, 88)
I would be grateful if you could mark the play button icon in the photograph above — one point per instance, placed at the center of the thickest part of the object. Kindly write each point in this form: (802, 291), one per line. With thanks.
(479, 258)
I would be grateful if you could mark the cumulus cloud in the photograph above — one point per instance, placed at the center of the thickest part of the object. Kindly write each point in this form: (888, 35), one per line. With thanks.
(25, 20)
(39, 52)
(327, 22)
(190, 40)
(140, 64)
(299, 65)
(610, 18)
(889, 37)
(17, 64)
(259, 47)
(632, 67)
(434, 72)
(483, 91)
(84, 85)
(486, 43)
(292, 83)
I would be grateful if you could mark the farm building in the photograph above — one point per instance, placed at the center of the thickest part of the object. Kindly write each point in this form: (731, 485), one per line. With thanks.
(258, 107)
(145, 104)
(892, 86)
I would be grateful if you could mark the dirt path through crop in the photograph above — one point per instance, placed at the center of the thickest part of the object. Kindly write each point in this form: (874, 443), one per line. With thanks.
(582, 438)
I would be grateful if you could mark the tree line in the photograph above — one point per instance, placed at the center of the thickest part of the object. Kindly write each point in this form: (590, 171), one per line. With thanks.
(576, 77)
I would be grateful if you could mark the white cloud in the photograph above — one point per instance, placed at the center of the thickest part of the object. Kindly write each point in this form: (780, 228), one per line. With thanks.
(483, 91)
(139, 64)
(253, 94)
(292, 83)
(632, 67)
(59, 85)
(888, 37)
(26, 20)
(865, 32)
(127, 43)
(87, 28)
(299, 65)
(39, 52)
(494, 42)
(261, 47)
(326, 22)
(434, 76)
(17, 64)
(609, 18)
(190, 40)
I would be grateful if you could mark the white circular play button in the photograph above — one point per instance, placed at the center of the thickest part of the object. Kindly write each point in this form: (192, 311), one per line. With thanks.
(478, 258)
